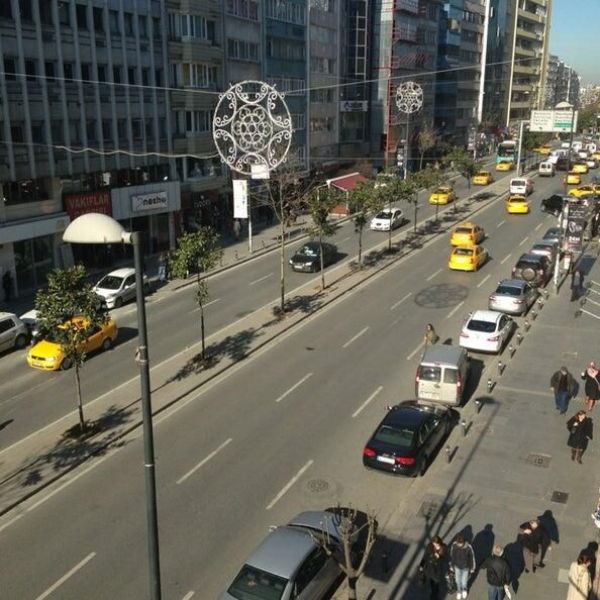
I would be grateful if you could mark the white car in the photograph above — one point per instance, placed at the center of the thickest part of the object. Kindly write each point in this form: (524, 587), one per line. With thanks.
(118, 287)
(592, 163)
(382, 221)
(521, 185)
(486, 331)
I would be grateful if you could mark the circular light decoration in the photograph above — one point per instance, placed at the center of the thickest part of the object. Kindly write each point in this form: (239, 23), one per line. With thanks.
(409, 97)
(252, 127)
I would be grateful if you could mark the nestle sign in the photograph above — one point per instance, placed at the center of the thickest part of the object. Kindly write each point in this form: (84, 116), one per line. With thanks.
(149, 201)
(88, 202)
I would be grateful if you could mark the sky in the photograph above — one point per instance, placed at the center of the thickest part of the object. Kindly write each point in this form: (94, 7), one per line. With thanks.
(574, 36)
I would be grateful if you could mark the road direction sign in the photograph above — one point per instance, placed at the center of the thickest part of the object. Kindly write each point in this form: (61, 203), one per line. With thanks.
(555, 121)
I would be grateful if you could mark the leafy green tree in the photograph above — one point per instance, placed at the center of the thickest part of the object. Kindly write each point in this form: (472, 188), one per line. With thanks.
(426, 141)
(198, 252)
(462, 161)
(587, 118)
(68, 295)
(425, 179)
(363, 200)
(320, 202)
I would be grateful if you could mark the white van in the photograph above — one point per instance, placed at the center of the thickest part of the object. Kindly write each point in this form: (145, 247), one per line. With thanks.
(556, 154)
(520, 185)
(546, 169)
(442, 374)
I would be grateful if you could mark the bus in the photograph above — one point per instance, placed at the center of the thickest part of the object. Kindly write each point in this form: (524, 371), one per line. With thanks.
(506, 151)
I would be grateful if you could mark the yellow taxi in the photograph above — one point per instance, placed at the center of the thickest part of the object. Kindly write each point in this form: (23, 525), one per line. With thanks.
(517, 205)
(442, 195)
(467, 235)
(572, 178)
(580, 167)
(467, 258)
(505, 165)
(48, 355)
(544, 150)
(584, 191)
(482, 178)
(596, 155)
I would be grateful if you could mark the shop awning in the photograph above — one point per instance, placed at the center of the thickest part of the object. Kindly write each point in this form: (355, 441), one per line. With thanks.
(346, 183)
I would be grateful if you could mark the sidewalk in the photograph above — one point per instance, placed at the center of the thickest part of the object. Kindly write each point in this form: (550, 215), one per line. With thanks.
(512, 465)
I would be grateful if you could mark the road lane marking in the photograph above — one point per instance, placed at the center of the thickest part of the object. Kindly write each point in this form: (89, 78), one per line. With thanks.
(523, 240)
(188, 595)
(346, 239)
(299, 383)
(409, 357)
(66, 576)
(363, 331)
(537, 226)
(366, 402)
(505, 259)
(208, 304)
(261, 279)
(289, 484)
(9, 523)
(433, 275)
(500, 224)
(204, 461)
(451, 313)
(483, 280)
(394, 306)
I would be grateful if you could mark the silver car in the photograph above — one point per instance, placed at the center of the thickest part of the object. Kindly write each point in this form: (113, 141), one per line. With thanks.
(513, 296)
(290, 563)
(13, 332)
(118, 287)
(546, 248)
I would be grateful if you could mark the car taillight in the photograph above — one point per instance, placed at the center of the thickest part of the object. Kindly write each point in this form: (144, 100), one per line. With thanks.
(494, 338)
(459, 381)
(520, 301)
(492, 298)
(540, 271)
(405, 461)
(464, 335)
(369, 452)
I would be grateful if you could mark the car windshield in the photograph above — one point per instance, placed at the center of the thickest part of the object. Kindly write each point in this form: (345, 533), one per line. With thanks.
(383, 215)
(442, 191)
(464, 230)
(463, 252)
(255, 584)
(519, 182)
(429, 373)
(110, 282)
(308, 251)
(481, 174)
(541, 248)
(400, 437)
(483, 326)
(516, 200)
(529, 264)
(508, 290)
(554, 232)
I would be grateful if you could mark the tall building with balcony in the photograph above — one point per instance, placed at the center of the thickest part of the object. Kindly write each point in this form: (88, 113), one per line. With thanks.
(562, 83)
(404, 48)
(85, 125)
(517, 58)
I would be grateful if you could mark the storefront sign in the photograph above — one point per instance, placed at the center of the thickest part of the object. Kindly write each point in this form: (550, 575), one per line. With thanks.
(149, 202)
(576, 221)
(88, 202)
(240, 199)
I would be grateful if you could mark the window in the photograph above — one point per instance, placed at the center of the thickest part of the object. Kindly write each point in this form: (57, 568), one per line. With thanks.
(50, 69)
(81, 16)
(37, 132)
(85, 71)
(98, 20)
(25, 10)
(284, 10)
(5, 10)
(128, 23)
(284, 49)
(117, 74)
(64, 18)
(198, 120)
(191, 26)
(145, 76)
(247, 9)
(298, 121)
(310, 569)
(199, 75)
(136, 127)
(16, 133)
(149, 128)
(158, 77)
(156, 27)
(101, 72)
(6, 325)
(143, 26)
(319, 64)
(56, 131)
(45, 13)
(68, 70)
(289, 85)
(10, 68)
(242, 50)
(75, 132)
(106, 129)
(322, 96)
(131, 75)
(113, 22)
(90, 129)
(30, 70)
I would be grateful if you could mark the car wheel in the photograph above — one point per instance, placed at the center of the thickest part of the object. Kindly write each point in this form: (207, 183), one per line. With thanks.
(118, 302)
(66, 364)
(423, 466)
(20, 341)
(107, 344)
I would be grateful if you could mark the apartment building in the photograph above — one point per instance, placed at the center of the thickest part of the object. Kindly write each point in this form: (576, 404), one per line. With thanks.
(85, 127)
(562, 83)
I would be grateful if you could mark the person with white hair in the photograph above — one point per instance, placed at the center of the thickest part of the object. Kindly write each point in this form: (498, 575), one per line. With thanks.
(498, 574)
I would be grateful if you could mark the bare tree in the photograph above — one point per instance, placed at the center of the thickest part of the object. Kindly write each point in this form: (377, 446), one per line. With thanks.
(426, 140)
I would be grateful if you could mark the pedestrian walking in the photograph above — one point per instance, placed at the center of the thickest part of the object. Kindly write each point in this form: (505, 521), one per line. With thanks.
(7, 284)
(498, 574)
(577, 277)
(592, 385)
(462, 559)
(580, 582)
(564, 387)
(581, 431)
(534, 538)
(162, 267)
(433, 567)
(237, 229)
(430, 337)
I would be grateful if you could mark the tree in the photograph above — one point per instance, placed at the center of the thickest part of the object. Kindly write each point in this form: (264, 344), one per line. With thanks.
(363, 200)
(69, 310)
(357, 531)
(461, 161)
(426, 140)
(320, 202)
(197, 252)
(422, 180)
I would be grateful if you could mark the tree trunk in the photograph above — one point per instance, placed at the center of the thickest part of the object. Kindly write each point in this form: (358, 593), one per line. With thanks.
(79, 399)
(351, 581)
(202, 330)
(421, 161)
(360, 231)
(390, 229)
(415, 218)
(321, 259)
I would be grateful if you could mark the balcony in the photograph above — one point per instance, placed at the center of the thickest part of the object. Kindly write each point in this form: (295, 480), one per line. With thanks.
(521, 51)
(409, 6)
(522, 69)
(529, 16)
(520, 104)
(405, 32)
(527, 34)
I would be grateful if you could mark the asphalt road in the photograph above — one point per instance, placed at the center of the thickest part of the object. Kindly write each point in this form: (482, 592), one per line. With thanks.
(31, 399)
(280, 434)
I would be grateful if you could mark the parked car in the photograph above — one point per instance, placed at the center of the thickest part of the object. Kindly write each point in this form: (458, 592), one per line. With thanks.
(387, 218)
(442, 374)
(545, 248)
(486, 331)
(290, 563)
(552, 204)
(13, 332)
(118, 287)
(520, 185)
(553, 234)
(48, 354)
(467, 258)
(308, 257)
(467, 234)
(407, 438)
(513, 296)
(533, 268)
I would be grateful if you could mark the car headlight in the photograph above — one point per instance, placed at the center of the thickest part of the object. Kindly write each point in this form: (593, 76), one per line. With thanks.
(51, 359)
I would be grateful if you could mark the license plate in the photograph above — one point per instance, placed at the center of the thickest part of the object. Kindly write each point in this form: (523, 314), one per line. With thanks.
(386, 459)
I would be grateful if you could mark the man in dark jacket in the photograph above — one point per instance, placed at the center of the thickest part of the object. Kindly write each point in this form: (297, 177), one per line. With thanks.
(498, 574)
(535, 540)
(564, 387)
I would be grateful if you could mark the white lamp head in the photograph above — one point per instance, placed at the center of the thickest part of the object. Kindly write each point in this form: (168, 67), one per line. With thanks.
(95, 228)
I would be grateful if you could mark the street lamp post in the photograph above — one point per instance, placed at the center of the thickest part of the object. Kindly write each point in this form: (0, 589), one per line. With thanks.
(94, 228)
(409, 99)
(521, 129)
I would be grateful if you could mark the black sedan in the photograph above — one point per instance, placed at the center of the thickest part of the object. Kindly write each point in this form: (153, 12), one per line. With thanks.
(553, 204)
(408, 437)
(308, 258)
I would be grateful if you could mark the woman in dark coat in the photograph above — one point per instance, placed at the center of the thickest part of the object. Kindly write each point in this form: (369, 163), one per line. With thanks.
(592, 385)
(434, 566)
(580, 432)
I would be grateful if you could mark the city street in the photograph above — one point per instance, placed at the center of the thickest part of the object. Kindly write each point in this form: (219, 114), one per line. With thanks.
(280, 434)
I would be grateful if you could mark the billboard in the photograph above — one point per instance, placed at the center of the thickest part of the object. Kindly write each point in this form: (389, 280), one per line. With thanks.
(240, 198)
(553, 121)
(88, 202)
(576, 221)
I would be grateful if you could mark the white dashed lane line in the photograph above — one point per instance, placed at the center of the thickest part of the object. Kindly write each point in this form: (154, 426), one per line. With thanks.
(66, 576)
(500, 224)
(290, 390)
(261, 279)
(483, 281)
(434, 275)
(288, 485)
(451, 313)
(366, 402)
(397, 304)
(204, 461)
(505, 259)
(353, 339)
